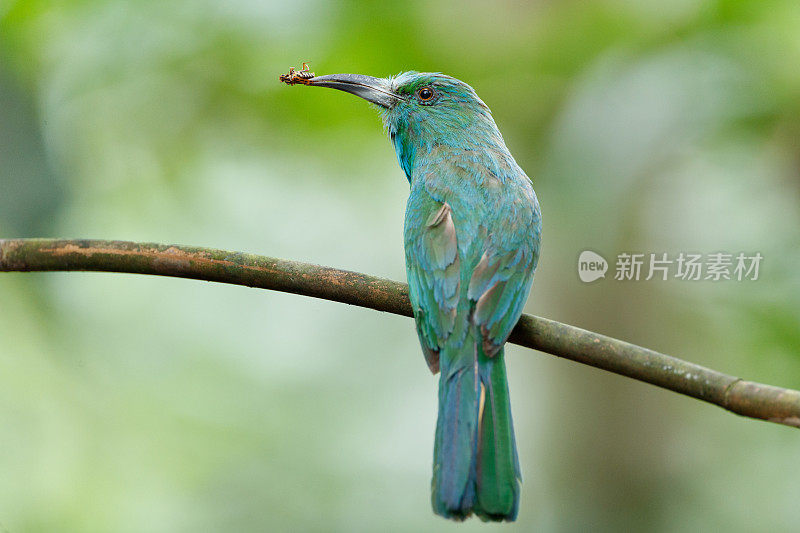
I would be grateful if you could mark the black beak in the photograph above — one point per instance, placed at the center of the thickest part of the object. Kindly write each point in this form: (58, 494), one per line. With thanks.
(375, 90)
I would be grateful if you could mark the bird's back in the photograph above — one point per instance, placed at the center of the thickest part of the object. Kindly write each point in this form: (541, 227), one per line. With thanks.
(495, 216)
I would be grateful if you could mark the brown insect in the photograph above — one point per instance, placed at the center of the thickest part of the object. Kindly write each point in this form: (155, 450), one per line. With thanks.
(297, 76)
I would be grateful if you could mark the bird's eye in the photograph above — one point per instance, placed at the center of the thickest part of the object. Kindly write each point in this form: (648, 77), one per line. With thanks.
(425, 94)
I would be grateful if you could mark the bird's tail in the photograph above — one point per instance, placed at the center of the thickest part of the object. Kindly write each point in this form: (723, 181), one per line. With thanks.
(475, 455)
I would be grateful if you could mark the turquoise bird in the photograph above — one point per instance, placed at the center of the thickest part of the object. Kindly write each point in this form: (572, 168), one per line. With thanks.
(472, 233)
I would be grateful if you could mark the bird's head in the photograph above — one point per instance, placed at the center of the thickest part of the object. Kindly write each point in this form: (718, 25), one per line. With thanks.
(422, 109)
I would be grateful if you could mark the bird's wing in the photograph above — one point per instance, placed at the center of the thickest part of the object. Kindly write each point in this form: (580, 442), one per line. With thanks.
(434, 278)
(501, 280)
(499, 286)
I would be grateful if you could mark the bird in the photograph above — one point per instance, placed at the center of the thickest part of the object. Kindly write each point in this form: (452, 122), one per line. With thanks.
(472, 237)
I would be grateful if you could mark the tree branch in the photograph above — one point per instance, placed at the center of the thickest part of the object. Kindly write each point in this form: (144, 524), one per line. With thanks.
(745, 398)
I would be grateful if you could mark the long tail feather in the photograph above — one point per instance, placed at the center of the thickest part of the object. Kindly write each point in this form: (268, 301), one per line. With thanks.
(454, 469)
(498, 465)
(475, 458)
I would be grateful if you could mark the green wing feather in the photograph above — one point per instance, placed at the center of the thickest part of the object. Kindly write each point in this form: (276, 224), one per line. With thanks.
(434, 279)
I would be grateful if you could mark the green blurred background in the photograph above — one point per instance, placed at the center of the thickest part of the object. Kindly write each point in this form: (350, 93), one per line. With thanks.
(131, 403)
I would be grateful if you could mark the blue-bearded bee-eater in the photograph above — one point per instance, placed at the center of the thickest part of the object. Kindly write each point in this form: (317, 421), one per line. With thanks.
(472, 234)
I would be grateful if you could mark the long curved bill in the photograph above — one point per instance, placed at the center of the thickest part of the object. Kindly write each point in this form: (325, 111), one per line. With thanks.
(375, 90)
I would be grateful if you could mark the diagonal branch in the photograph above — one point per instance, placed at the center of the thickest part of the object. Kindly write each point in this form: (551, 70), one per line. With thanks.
(745, 398)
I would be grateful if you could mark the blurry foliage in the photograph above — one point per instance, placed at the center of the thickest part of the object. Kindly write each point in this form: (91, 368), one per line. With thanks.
(132, 404)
